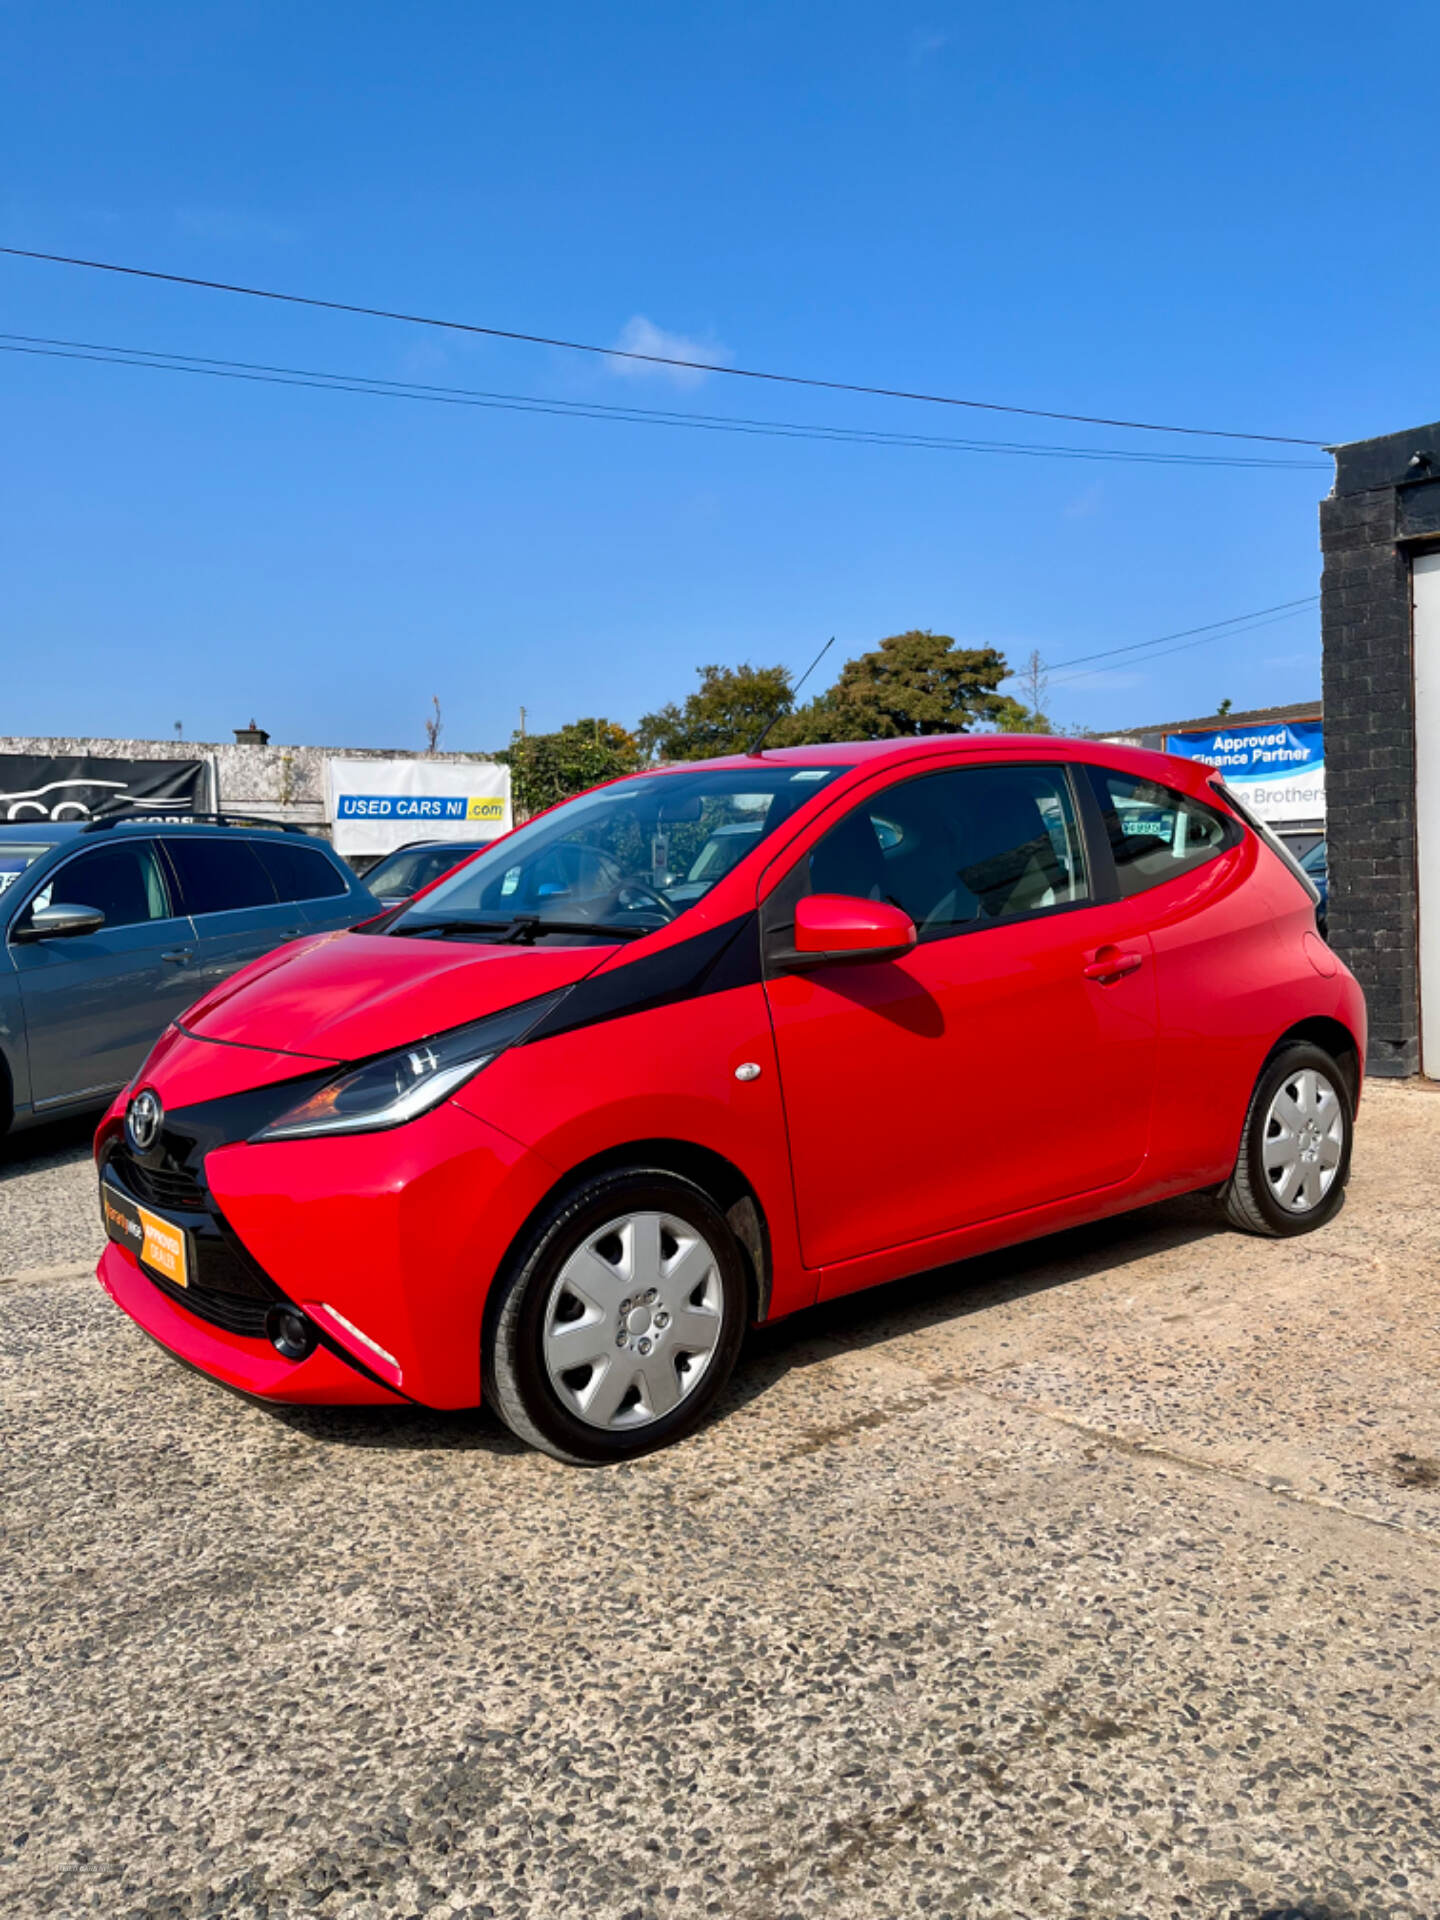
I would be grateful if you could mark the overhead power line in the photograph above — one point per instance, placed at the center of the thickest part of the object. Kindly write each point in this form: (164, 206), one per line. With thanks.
(169, 362)
(1233, 630)
(654, 359)
(1184, 633)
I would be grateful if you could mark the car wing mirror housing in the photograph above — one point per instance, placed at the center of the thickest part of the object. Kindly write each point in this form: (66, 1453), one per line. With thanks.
(841, 926)
(60, 921)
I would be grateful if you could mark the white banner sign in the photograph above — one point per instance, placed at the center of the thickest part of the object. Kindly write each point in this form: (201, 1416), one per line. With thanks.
(1278, 770)
(376, 806)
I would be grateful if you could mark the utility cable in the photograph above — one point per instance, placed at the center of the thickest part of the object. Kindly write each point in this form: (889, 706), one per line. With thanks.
(1184, 633)
(156, 360)
(1275, 619)
(654, 359)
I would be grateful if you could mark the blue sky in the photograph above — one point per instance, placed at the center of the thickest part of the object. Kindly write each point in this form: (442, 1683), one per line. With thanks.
(1215, 216)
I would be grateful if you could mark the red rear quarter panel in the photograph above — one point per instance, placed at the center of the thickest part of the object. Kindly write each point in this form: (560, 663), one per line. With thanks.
(1235, 969)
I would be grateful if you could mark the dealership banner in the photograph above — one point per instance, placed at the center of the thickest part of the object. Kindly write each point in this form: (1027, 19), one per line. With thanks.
(376, 806)
(1278, 770)
(36, 787)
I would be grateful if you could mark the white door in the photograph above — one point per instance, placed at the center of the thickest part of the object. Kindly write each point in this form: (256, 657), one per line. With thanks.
(1426, 578)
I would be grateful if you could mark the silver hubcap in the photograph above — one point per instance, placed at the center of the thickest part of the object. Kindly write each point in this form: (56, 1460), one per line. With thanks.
(1304, 1139)
(633, 1320)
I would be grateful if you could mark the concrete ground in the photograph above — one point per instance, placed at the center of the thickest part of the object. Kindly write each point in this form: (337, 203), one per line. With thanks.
(1101, 1579)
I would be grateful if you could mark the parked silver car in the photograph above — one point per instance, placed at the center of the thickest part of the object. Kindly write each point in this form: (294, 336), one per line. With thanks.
(112, 928)
(400, 875)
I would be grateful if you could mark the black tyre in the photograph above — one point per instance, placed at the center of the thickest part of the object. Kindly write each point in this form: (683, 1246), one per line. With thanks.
(618, 1321)
(1294, 1157)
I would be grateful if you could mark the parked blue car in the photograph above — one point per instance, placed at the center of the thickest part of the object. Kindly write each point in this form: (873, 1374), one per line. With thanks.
(1316, 865)
(111, 928)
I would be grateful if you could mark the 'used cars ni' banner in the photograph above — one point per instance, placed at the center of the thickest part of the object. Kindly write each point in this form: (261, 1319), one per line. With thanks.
(1278, 771)
(378, 805)
(78, 786)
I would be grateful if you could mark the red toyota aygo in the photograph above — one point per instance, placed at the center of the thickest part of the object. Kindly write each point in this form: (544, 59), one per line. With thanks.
(709, 1044)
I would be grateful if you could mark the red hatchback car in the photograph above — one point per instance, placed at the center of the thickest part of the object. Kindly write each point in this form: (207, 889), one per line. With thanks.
(712, 1043)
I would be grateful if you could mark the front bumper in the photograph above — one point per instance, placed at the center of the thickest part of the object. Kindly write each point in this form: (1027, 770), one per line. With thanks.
(250, 1366)
(388, 1241)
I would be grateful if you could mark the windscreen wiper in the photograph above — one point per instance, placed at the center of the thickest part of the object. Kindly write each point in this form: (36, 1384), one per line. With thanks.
(526, 930)
(453, 926)
(522, 931)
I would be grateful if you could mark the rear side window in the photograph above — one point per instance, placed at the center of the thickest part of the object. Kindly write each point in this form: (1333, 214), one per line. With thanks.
(219, 876)
(298, 872)
(960, 849)
(1156, 833)
(124, 881)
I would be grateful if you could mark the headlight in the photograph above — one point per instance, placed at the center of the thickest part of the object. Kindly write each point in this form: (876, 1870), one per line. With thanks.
(398, 1086)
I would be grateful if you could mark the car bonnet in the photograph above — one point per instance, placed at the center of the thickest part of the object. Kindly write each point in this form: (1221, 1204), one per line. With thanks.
(346, 995)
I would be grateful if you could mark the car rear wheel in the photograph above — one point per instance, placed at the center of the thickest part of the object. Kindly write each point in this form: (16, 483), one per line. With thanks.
(1294, 1157)
(618, 1323)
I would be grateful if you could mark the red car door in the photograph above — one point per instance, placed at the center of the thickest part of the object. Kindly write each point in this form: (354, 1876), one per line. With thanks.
(1006, 1061)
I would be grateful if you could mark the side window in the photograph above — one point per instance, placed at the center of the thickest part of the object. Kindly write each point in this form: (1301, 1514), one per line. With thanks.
(217, 876)
(960, 849)
(123, 880)
(298, 872)
(1156, 833)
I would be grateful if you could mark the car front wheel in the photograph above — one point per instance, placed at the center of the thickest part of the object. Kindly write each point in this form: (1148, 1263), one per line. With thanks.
(1294, 1157)
(618, 1323)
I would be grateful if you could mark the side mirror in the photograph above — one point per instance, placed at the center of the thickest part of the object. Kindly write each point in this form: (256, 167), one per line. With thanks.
(60, 921)
(839, 926)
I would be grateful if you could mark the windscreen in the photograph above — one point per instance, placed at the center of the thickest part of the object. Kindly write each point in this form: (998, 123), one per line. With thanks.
(412, 868)
(623, 859)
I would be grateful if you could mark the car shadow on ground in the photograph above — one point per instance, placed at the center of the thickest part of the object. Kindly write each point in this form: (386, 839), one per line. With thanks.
(56, 1143)
(859, 1320)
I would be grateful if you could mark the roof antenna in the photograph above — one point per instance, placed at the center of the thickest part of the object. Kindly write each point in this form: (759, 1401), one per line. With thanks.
(758, 742)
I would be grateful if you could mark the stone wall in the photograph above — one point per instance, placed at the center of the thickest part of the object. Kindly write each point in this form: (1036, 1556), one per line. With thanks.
(274, 782)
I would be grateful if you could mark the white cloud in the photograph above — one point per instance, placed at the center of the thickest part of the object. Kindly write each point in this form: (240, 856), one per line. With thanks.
(1085, 502)
(639, 335)
(423, 358)
(924, 46)
(1309, 659)
(233, 228)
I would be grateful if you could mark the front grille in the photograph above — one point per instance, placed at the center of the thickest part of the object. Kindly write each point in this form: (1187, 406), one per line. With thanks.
(164, 1186)
(227, 1287)
(230, 1311)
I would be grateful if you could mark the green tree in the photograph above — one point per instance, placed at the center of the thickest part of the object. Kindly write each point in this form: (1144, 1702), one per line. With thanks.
(549, 767)
(723, 715)
(912, 683)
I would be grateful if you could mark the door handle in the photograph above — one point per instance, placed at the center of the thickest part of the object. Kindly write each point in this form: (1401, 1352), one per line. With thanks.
(1110, 965)
(180, 958)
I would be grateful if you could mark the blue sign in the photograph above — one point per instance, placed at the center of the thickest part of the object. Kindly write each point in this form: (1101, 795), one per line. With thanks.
(1277, 770)
(1255, 753)
(416, 806)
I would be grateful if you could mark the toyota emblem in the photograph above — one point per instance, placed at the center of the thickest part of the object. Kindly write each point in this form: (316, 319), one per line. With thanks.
(143, 1119)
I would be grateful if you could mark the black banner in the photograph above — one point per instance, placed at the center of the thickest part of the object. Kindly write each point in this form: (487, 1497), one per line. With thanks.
(78, 788)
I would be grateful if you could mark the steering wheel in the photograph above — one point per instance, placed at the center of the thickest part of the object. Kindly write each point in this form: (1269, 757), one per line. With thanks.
(636, 893)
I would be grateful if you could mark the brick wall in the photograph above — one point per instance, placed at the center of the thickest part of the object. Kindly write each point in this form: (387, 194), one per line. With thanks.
(1370, 734)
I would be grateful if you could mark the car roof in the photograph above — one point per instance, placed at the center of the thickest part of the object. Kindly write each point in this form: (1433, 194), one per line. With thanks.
(427, 846)
(60, 832)
(865, 755)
